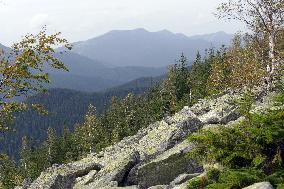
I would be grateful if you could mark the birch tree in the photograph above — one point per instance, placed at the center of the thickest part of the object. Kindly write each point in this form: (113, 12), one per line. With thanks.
(260, 16)
(23, 71)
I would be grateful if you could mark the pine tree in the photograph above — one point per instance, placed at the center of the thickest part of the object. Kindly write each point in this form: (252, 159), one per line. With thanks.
(197, 80)
(25, 155)
(90, 134)
(51, 142)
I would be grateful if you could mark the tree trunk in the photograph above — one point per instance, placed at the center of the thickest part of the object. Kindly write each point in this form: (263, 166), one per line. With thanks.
(272, 53)
(272, 67)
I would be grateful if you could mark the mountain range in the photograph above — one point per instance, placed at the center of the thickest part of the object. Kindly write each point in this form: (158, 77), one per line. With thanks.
(120, 56)
(140, 47)
(90, 75)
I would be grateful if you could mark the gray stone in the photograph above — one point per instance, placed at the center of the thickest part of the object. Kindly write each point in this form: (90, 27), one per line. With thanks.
(64, 175)
(166, 167)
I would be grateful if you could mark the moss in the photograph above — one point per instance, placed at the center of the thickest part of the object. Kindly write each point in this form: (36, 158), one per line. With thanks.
(218, 186)
(277, 179)
(229, 179)
(239, 178)
(213, 174)
(198, 182)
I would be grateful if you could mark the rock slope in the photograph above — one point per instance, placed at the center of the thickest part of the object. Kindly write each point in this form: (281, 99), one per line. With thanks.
(156, 157)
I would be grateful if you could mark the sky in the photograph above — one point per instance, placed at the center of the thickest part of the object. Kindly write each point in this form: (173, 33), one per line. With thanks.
(84, 19)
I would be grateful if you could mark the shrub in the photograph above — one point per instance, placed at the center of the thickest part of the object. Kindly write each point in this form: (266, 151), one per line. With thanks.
(251, 151)
(198, 182)
(277, 179)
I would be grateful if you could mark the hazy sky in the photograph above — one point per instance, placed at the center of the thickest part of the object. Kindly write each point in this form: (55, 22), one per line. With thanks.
(84, 19)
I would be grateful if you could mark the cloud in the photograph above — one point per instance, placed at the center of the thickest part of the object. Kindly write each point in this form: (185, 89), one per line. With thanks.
(39, 20)
(80, 20)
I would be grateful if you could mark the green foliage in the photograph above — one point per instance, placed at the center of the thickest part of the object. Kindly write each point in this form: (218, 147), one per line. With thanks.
(90, 136)
(198, 182)
(213, 174)
(198, 77)
(185, 85)
(251, 151)
(237, 67)
(175, 87)
(245, 104)
(231, 179)
(22, 72)
(244, 145)
(276, 179)
(239, 178)
(9, 173)
(234, 179)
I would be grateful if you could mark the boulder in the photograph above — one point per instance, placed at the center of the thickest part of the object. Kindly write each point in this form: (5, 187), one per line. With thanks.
(64, 176)
(113, 174)
(166, 167)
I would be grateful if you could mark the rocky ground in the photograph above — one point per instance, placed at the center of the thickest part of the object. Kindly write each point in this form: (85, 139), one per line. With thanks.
(156, 157)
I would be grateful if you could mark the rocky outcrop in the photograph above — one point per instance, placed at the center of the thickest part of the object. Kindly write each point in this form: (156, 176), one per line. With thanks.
(156, 157)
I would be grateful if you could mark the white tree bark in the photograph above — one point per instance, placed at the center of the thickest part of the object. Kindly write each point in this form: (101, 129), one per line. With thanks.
(272, 55)
(265, 16)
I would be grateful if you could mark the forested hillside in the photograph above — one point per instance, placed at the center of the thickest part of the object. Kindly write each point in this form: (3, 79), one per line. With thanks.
(123, 116)
(66, 108)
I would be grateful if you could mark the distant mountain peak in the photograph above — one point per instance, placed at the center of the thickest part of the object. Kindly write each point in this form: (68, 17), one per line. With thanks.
(140, 47)
(219, 37)
(140, 30)
(3, 47)
(127, 31)
(165, 32)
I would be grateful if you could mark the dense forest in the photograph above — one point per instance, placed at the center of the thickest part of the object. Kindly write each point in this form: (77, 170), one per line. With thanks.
(65, 109)
(251, 151)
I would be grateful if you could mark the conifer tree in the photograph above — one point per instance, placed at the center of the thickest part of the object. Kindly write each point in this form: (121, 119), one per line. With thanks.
(25, 154)
(90, 134)
(197, 80)
(51, 142)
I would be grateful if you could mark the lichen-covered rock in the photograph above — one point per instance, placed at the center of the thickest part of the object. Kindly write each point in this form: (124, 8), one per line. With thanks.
(167, 166)
(64, 176)
(156, 155)
(217, 110)
(261, 185)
